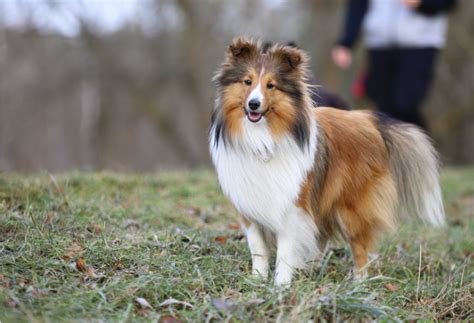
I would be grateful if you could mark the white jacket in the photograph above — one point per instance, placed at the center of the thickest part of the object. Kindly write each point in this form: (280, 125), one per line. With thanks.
(390, 23)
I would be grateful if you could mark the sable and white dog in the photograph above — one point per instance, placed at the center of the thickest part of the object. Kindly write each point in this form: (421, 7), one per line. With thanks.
(301, 175)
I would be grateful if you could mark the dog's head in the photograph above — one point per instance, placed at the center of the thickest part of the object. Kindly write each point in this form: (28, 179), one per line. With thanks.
(263, 87)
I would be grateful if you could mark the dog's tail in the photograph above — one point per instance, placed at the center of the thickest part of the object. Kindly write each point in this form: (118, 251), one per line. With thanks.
(415, 167)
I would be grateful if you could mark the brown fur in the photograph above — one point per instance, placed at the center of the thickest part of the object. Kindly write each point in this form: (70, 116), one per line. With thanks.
(357, 196)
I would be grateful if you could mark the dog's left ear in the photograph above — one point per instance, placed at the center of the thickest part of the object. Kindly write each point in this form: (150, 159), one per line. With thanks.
(290, 58)
(242, 49)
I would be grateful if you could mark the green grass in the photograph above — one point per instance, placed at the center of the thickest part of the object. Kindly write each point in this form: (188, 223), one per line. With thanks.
(171, 238)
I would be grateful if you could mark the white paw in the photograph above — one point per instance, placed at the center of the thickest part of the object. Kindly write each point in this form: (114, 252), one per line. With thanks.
(359, 274)
(283, 277)
(260, 273)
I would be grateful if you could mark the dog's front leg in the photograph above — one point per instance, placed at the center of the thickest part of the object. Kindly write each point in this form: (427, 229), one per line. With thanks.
(287, 258)
(258, 249)
(296, 245)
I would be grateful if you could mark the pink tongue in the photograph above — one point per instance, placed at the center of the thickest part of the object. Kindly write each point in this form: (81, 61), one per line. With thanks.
(254, 116)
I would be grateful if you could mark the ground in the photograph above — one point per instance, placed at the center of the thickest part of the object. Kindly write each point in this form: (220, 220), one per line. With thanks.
(167, 247)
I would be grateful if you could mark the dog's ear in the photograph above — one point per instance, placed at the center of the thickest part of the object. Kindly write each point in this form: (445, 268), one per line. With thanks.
(290, 58)
(242, 49)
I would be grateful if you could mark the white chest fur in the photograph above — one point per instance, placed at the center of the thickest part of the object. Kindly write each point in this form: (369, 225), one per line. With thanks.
(261, 175)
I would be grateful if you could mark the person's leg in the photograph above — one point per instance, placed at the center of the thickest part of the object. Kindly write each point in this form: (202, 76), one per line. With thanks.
(380, 78)
(414, 76)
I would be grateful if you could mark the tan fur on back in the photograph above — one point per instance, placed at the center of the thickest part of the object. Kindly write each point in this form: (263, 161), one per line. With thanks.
(358, 196)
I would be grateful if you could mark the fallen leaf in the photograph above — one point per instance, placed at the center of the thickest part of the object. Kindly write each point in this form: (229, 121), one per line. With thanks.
(321, 290)
(170, 319)
(90, 273)
(172, 301)
(142, 302)
(87, 270)
(221, 239)
(142, 311)
(49, 218)
(73, 251)
(94, 228)
(391, 287)
(117, 265)
(293, 298)
(234, 226)
(22, 282)
(81, 265)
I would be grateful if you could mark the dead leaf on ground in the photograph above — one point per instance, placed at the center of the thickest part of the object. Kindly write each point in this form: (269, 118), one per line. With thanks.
(391, 287)
(117, 265)
(21, 282)
(221, 239)
(170, 319)
(94, 228)
(87, 270)
(73, 251)
(49, 218)
(234, 226)
(293, 298)
(321, 290)
(141, 311)
(81, 265)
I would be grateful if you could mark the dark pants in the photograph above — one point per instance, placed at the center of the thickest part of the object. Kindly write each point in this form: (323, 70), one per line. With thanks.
(398, 81)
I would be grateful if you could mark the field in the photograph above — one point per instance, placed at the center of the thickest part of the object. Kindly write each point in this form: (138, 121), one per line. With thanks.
(167, 248)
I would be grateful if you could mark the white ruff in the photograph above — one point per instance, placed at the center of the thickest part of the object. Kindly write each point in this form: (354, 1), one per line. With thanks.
(262, 175)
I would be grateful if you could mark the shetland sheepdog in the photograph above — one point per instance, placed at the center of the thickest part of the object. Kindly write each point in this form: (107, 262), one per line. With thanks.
(300, 175)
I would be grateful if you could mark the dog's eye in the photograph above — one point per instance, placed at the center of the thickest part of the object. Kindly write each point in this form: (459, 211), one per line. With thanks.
(248, 82)
(270, 86)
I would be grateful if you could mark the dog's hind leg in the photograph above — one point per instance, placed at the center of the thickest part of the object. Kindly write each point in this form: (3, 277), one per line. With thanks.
(363, 220)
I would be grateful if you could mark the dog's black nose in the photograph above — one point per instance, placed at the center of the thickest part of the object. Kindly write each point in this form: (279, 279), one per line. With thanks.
(254, 104)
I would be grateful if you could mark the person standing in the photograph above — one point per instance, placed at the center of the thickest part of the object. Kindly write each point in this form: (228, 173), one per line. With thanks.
(403, 38)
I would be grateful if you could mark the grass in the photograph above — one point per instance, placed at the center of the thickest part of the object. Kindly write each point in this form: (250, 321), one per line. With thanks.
(166, 247)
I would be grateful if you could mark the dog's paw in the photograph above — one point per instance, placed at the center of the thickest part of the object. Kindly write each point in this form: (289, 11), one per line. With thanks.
(359, 274)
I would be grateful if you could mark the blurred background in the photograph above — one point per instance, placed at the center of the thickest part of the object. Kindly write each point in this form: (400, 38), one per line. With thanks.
(125, 85)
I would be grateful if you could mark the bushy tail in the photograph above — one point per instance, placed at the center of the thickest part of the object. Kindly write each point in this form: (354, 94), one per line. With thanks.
(414, 164)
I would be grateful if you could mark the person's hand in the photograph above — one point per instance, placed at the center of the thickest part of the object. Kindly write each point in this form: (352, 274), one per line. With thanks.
(412, 4)
(342, 57)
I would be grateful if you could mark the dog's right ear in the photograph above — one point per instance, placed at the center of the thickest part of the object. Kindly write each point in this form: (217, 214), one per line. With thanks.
(242, 49)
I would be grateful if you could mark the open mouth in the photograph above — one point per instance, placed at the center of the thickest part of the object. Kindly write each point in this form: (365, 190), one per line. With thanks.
(254, 116)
